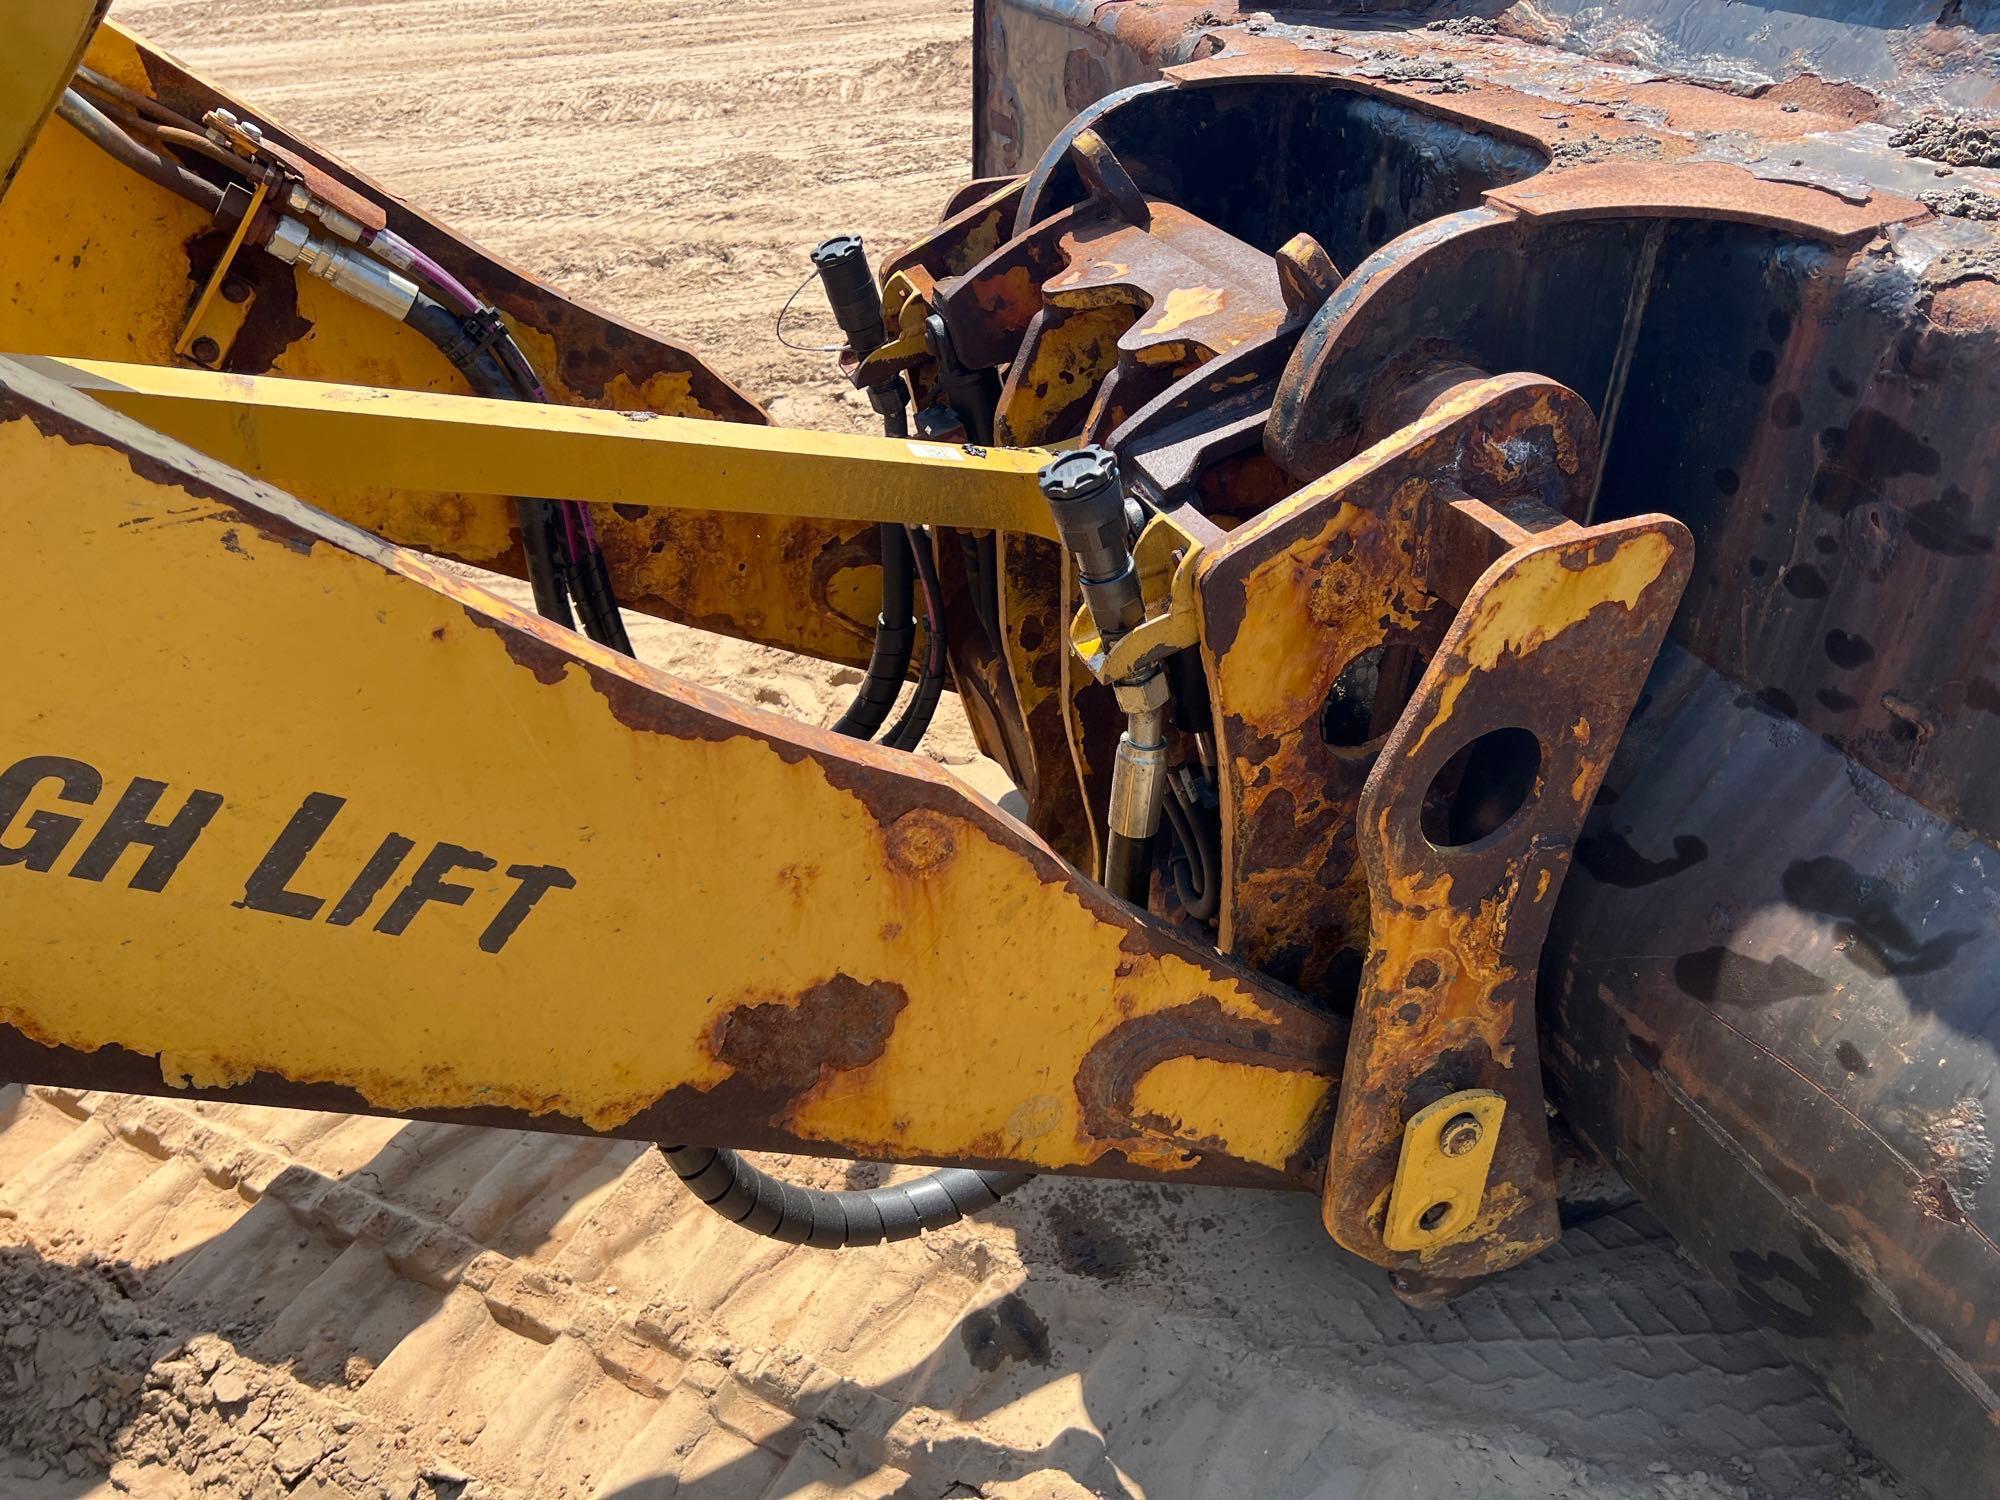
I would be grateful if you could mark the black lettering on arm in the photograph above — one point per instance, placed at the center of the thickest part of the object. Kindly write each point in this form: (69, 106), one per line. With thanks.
(429, 884)
(388, 856)
(48, 833)
(127, 826)
(265, 890)
(535, 882)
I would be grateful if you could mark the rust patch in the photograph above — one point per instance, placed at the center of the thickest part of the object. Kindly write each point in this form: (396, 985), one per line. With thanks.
(1703, 190)
(547, 660)
(836, 1026)
(1107, 1080)
(274, 322)
(921, 842)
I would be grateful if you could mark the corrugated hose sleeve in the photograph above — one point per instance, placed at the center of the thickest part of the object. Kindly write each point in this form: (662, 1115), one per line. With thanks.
(762, 1204)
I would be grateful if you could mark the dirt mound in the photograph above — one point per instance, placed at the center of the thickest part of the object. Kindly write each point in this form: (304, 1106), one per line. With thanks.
(1951, 139)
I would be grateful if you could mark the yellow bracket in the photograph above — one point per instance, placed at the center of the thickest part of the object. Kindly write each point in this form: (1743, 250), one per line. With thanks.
(1441, 1176)
(906, 302)
(221, 326)
(1165, 556)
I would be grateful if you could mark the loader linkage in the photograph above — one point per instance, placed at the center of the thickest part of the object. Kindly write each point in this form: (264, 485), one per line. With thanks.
(1277, 460)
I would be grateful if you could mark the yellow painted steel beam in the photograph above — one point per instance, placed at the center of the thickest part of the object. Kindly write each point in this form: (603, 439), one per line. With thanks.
(41, 42)
(308, 435)
(288, 815)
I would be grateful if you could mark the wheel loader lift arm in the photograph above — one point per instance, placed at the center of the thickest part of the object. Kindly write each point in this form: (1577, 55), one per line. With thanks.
(309, 821)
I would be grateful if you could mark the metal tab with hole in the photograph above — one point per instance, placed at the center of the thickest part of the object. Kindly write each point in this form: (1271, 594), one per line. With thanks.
(1441, 1175)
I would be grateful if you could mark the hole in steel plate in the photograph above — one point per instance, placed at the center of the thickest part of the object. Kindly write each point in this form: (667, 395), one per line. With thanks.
(1481, 787)
(1369, 695)
(1433, 1216)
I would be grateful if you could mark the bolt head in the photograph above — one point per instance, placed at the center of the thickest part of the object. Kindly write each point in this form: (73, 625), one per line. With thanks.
(205, 351)
(1460, 1134)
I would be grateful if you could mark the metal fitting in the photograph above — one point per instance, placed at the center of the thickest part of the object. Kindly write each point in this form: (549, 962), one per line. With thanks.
(289, 240)
(851, 292)
(1141, 695)
(1139, 777)
(301, 199)
(359, 276)
(244, 137)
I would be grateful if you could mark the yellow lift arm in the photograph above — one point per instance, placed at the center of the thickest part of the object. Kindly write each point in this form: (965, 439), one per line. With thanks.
(294, 813)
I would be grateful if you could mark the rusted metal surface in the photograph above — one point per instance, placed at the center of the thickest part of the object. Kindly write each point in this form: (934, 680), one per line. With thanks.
(1095, 309)
(1305, 609)
(1199, 291)
(1819, 479)
(1066, 355)
(1770, 1006)
(990, 305)
(1522, 708)
(1751, 314)
(977, 221)
(1314, 615)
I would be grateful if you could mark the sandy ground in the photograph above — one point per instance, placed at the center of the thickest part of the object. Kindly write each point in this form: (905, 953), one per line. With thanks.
(257, 1302)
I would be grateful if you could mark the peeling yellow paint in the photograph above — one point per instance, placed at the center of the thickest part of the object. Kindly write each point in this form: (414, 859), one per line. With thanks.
(1532, 599)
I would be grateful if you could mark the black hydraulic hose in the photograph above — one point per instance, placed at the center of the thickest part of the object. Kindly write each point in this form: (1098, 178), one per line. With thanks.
(562, 555)
(1196, 861)
(857, 308)
(908, 731)
(540, 522)
(720, 1177)
(596, 599)
(762, 1204)
(100, 131)
(983, 568)
(895, 638)
(1127, 871)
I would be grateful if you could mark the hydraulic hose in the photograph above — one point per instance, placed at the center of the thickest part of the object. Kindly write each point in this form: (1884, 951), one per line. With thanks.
(908, 731)
(895, 638)
(718, 1176)
(1127, 870)
(760, 1203)
(563, 556)
(484, 372)
(1087, 500)
(562, 552)
(101, 132)
(1195, 864)
(856, 301)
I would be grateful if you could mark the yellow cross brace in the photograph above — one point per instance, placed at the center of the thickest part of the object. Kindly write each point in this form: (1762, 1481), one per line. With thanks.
(308, 435)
